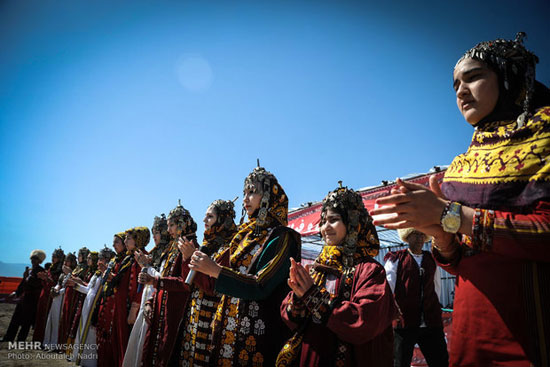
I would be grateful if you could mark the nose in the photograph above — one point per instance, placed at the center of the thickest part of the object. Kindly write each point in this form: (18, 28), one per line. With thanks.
(462, 90)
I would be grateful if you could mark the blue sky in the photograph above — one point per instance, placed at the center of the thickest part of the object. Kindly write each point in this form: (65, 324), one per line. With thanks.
(112, 111)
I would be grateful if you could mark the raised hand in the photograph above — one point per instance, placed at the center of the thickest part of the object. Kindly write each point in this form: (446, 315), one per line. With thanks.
(299, 279)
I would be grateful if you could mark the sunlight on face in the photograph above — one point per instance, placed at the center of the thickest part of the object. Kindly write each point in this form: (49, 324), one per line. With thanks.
(333, 230)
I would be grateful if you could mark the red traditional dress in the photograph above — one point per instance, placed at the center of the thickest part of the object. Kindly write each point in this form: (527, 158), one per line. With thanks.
(168, 305)
(503, 271)
(44, 302)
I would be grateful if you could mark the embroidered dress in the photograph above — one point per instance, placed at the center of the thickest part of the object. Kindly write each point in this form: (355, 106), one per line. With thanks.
(45, 301)
(196, 330)
(85, 347)
(503, 269)
(51, 332)
(247, 328)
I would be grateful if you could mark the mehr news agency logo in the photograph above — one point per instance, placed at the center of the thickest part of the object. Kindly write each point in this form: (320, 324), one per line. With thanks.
(34, 350)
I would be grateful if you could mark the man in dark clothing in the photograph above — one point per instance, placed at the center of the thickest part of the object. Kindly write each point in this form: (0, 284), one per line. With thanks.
(415, 281)
(29, 290)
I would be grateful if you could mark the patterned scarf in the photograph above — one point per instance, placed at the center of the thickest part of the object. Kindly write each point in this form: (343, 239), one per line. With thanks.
(244, 247)
(506, 167)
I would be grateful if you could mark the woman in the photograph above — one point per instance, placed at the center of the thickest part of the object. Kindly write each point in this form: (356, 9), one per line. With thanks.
(49, 279)
(165, 309)
(247, 328)
(195, 329)
(109, 321)
(491, 221)
(152, 264)
(57, 294)
(73, 301)
(85, 352)
(342, 309)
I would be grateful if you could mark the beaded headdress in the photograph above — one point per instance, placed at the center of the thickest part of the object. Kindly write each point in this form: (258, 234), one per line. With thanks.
(106, 253)
(515, 66)
(71, 258)
(183, 220)
(58, 253)
(83, 252)
(225, 211)
(349, 204)
(274, 200)
(160, 224)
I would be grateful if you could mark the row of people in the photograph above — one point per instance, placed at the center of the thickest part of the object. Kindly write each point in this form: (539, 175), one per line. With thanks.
(251, 302)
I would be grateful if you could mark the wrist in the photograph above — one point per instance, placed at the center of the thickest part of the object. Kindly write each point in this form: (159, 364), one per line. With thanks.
(445, 245)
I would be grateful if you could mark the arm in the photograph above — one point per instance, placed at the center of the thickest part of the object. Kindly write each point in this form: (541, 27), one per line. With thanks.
(437, 283)
(175, 283)
(293, 311)
(259, 286)
(369, 312)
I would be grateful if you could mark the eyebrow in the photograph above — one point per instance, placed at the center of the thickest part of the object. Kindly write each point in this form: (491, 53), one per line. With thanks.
(472, 70)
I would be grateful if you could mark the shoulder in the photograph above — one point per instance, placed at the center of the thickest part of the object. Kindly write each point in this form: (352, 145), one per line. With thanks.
(393, 256)
(283, 231)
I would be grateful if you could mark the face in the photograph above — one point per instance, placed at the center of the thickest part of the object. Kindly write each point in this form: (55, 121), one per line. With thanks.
(80, 258)
(130, 243)
(55, 259)
(102, 260)
(156, 237)
(333, 230)
(68, 263)
(210, 218)
(173, 229)
(35, 261)
(252, 197)
(89, 260)
(118, 245)
(476, 88)
(416, 241)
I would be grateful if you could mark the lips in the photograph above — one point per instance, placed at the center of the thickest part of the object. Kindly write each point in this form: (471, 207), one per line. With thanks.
(466, 105)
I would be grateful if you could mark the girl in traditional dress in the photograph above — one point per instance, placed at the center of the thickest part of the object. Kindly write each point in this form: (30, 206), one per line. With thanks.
(248, 330)
(51, 334)
(164, 311)
(195, 329)
(85, 347)
(152, 263)
(490, 219)
(49, 279)
(341, 310)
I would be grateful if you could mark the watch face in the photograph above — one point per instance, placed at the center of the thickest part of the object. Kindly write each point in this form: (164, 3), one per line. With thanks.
(452, 222)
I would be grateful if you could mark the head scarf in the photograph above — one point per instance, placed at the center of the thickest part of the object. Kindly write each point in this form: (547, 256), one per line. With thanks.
(273, 212)
(519, 92)
(57, 268)
(184, 221)
(361, 239)
(82, 268)
(160, 225)
(507, 166)
(140, 234)
(95, 257)
(221, 233)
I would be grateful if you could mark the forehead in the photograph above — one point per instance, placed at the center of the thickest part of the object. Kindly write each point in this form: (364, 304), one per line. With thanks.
(211, 210)
(332, 213)
(466, 65)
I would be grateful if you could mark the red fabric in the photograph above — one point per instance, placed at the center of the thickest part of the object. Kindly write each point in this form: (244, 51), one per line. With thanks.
(43, 307)
(170, 302)
(407, 290)
(68, 311)
(364, 321)
(491, 324)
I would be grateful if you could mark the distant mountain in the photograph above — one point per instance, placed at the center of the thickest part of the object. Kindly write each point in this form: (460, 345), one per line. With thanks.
(12, 270)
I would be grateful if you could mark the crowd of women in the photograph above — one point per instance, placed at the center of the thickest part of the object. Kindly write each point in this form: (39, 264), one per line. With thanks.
(245, 299)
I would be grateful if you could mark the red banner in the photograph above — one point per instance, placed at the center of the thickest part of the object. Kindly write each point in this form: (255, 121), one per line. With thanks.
(306, 220)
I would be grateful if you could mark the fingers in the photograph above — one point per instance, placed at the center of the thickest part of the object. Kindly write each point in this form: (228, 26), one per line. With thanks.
(410, 185)
(394, 199)
(436, 188)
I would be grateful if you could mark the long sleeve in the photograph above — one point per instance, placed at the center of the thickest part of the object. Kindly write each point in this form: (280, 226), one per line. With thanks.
(276, 257)
(525, 236)
(437, 283)
(370, 310)
(176, 283)
(391, 273)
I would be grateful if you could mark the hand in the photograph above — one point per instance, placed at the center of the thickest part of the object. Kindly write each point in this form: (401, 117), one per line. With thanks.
(70, 282)
(399, 322)
(299, 279)
(148, 313)
(132, 315)
(201, 262)
(186, 247)
(144, 278)
(66, 269)
(412, 205)
(142, 259)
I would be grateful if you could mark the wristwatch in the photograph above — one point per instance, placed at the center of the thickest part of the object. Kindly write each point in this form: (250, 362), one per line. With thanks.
(450, 218)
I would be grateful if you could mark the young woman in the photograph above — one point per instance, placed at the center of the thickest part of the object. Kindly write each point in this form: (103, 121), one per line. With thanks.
(57, 293)
(112, 322)
(85, 351)
(195, 333)
(152, 263)
(49, 279)
(341, 310)
(252, 278)
(491, 219)
(165, 309)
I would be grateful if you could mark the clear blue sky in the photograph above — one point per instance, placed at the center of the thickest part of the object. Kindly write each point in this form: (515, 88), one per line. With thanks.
(112, 111)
